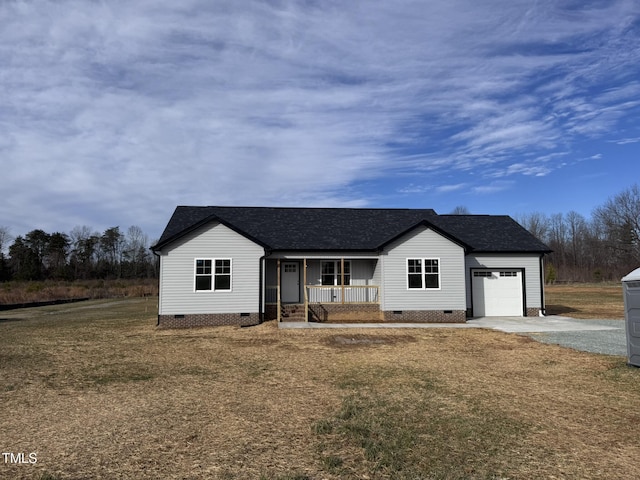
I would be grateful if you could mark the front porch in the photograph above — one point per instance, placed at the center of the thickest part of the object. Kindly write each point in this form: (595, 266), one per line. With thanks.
(322, 290)
(324, 312)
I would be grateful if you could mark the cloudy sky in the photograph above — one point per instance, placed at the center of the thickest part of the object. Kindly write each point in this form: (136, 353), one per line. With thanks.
(113, 112)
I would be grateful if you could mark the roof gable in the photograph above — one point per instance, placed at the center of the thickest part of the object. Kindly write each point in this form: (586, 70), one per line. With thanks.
(426, 224)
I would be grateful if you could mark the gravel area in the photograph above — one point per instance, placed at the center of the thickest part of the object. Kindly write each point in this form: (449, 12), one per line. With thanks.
(612, 341)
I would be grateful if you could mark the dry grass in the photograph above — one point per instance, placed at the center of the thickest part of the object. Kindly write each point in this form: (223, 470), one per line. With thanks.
(98, 392)
(26, 292)
(586, 300)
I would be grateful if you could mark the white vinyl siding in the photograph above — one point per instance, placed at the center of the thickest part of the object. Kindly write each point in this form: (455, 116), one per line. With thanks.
(214, 241)
(423, 243)
(529, 264)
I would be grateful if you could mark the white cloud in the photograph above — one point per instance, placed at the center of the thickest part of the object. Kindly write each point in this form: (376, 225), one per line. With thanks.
(114, 112)
(493, 187)
(523, 169)
(450, 188)
(625, 141)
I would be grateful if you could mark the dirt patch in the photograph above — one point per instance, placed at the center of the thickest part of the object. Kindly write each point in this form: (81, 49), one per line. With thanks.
(362, 340)
(254, 342)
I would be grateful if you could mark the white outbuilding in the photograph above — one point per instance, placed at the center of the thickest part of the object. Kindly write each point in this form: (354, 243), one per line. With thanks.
(631, 290)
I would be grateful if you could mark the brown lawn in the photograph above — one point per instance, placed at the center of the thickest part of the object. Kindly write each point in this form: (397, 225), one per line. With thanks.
(586, 300)
(97, 392)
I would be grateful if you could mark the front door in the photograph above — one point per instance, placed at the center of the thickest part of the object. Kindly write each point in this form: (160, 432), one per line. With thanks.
(290, 282)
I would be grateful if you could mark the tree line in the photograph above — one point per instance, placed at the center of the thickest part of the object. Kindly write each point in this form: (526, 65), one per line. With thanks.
(82, 254)
(604, 247)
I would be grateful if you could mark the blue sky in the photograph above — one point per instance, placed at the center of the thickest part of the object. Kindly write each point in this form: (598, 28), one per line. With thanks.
(114, 112)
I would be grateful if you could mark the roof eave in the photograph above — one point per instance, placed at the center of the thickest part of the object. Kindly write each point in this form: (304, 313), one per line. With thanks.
(533, 252)
(211, 218)
(160, 245)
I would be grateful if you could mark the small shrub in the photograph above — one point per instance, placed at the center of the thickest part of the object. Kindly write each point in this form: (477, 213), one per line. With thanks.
(322, 427)
(34, 287)
(550, 277)
(293, 476)
(49, 476)
(597, 275)
(332, 462)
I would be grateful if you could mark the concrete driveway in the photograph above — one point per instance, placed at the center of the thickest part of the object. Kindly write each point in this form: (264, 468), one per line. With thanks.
(552, 323)
(597, 336)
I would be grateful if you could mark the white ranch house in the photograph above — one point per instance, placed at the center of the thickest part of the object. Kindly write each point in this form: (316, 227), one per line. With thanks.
(245, 265)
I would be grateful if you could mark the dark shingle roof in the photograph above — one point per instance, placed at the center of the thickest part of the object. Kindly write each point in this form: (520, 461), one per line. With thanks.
(490, 233)
(351, 229)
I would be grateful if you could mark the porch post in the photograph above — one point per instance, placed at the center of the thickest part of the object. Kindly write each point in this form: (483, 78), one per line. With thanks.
(342, 278)
(304, 286)
(278, 291)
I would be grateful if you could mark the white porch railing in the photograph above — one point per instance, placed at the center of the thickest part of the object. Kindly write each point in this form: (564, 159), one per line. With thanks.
(352, 294)
(332, 294)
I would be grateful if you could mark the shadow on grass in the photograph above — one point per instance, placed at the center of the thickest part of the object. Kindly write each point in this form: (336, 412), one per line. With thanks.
(15, 306)
(6, 320)
(559, 309)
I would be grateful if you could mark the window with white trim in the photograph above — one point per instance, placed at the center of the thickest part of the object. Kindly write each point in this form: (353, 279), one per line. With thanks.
(222, 276)
(332, 272)
(423, 273)
(213, 274)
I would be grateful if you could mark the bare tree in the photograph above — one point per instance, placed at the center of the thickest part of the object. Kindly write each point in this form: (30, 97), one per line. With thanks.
(136, 250)
(460, 210)
(557, 240)
(5, 238)
(537, 223)
(619, 220)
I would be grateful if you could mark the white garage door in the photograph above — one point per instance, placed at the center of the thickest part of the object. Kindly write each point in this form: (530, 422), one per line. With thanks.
(497, 293)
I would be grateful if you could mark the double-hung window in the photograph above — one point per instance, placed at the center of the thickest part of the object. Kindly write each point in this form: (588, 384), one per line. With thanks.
(332, 272)
(213, 274)
(222, 274)
(423, 273)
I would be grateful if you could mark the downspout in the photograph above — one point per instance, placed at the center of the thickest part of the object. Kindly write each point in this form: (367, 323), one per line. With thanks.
(261, 287)
(543, 307)
(159, 279)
